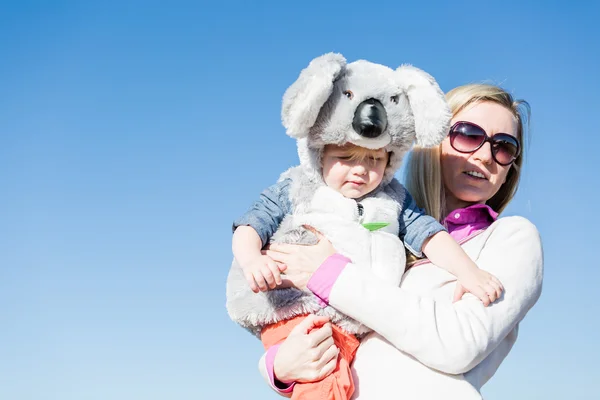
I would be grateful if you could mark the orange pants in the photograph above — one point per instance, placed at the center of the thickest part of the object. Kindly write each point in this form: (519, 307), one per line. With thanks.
(336, 386)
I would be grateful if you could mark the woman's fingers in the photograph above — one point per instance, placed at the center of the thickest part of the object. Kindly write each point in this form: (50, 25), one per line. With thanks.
(331, 357)
(329, 354)
(318, 234)
(322, 348)
(308, 324)
(319, 335)
(278, 256)
(282, 248)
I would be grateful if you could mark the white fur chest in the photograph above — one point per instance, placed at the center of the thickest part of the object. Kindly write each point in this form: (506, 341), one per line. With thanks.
(346, 222)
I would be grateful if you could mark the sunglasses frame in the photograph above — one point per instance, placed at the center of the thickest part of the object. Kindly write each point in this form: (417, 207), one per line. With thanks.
(486, 139)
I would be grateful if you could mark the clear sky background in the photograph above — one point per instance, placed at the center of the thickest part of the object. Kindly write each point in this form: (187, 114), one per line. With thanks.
(133, 133)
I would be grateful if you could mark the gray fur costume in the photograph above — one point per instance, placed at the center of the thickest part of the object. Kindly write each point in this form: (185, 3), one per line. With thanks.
(369, 105)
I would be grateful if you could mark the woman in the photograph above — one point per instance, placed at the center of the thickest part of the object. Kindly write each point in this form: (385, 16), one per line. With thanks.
(424, 345)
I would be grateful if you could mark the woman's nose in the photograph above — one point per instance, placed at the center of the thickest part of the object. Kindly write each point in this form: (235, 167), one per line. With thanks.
(484, 153)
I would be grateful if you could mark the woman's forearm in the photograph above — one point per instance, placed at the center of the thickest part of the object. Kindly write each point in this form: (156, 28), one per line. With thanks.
(449, 337)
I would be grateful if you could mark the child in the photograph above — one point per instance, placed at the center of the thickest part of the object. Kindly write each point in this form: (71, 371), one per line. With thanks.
(355, 173)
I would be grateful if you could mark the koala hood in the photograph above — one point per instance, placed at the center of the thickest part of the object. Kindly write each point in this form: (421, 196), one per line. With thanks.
(366, 104)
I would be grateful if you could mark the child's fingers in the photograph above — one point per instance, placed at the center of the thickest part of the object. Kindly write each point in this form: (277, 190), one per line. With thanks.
(491, 291)
(459, 291)
(268, 276)
(497, 288)
(260, 281)
(482, 295)
(251, 281)
(274, 268)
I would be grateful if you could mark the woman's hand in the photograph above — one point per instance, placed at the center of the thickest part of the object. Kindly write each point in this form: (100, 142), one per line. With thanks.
(308, 354)
(301, 261)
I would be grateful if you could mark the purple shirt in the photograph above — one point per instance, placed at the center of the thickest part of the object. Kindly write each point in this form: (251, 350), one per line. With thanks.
(462, 224)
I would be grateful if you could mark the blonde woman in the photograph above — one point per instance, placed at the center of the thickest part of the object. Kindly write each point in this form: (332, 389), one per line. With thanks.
(424, 346)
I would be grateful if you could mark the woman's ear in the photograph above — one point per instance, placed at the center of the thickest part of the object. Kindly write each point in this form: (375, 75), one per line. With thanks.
(303, 100)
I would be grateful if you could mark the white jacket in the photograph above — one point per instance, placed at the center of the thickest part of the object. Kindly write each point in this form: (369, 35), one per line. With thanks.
(426, 347)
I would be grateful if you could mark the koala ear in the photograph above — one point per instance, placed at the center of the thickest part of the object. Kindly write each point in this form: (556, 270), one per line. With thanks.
(303, 100)
(430, 109)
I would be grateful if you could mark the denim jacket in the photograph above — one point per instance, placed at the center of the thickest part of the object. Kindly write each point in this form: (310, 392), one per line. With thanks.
(274, 204)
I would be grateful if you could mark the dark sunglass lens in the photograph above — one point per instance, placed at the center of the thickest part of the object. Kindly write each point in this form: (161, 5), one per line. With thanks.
(466, 137)
(506, 148)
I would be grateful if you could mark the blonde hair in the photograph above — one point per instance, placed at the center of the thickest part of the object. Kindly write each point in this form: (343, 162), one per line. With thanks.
(423, 174)
(357, 153)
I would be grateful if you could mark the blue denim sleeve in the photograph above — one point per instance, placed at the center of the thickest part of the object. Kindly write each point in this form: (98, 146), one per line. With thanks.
(268, 211)
(416, 226)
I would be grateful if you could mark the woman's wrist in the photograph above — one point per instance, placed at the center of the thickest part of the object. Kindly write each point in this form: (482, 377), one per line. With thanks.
(278, 381)
(323, 279)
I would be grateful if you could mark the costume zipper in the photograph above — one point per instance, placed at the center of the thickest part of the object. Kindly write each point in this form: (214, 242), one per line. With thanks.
(361, 211)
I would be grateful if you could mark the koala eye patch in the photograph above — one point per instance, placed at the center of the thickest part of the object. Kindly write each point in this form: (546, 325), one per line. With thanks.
(395, 99)
(348, 94)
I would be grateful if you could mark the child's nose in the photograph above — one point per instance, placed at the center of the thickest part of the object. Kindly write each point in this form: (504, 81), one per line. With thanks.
(360, 169)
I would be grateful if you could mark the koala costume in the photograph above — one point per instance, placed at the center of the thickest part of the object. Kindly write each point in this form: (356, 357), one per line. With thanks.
(332, 102)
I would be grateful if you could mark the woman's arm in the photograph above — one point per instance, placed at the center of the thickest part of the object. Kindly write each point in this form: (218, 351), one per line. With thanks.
(450, 337)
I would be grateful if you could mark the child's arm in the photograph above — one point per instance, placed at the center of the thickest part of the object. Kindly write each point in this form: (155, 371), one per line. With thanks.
(261, 272)
(253, 230)
(421, 233)
(443, 251)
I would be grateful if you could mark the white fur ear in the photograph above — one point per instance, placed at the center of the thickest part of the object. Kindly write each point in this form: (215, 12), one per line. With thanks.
(430, 109)
(303, 100)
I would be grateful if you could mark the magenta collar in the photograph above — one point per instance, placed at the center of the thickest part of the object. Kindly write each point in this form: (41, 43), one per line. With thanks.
(463, 222)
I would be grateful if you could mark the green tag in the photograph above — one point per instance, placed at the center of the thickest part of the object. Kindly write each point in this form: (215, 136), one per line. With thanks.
(373, 226)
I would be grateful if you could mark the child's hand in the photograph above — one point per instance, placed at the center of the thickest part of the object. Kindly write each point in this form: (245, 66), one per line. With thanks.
(480, 283)
(262, 273)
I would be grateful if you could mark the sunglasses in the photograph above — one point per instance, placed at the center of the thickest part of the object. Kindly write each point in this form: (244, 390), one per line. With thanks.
(467, 137)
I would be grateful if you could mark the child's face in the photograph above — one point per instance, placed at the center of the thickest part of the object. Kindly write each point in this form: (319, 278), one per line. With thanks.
(352, 171)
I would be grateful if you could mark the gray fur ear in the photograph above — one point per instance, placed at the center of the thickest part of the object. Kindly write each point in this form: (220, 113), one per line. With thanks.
(430, 109)
(303, 100)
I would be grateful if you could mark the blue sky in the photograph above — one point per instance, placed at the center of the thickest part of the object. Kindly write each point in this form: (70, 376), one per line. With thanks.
(133, 133)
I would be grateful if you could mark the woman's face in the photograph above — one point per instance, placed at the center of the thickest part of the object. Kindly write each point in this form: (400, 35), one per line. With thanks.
(458, 169)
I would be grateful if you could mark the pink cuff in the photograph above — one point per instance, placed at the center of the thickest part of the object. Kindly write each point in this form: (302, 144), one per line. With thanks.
(270, 361)
(326, 275)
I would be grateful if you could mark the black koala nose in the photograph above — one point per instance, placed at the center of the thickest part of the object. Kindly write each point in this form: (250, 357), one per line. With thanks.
(370, 118)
